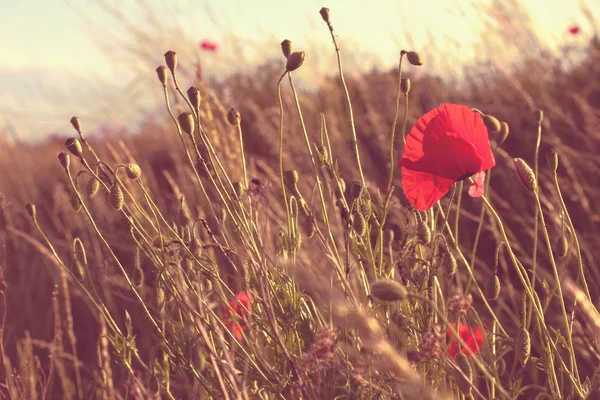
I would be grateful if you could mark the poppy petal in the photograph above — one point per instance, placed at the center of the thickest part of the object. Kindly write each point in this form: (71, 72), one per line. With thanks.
(423, 189)
(478, 186)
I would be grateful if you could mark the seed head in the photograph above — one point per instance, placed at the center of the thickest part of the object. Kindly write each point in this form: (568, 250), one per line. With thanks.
(309, 226)
(234, 117)
(290, 177)
(359, 224)
(423, 232)
(414, 58)
(75, 202)
(388, 290)
(171, 60)
(523, 346)
(552, 160)
(115, 197)
(562, 246)
(286, 48)
(162, 74)
(325, 14)
(79, 271)
(449, 262)
(356, 189)
(74, 146)
(138, 277)
(76, 124)
(295, 61)
(405, 85)
(30, 208)
(194, 95)
(92, 187)
(526, 175)
(459, 305)
(504, 131)
(65, 159)
(186, 122)
(492, 287)
(238, 188)
(184, 215)
(491, 123)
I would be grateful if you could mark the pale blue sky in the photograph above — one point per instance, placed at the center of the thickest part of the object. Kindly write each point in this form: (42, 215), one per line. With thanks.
(51, 65)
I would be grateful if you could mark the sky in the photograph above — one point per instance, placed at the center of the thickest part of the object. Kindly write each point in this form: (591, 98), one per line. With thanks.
(64, 57)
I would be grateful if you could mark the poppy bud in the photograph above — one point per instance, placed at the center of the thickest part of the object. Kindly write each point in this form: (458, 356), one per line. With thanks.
(75, 202)
(295, 61)
(562, 247)
(423, 232)
(233, 116)
(171, 60)
(388, 290)
(359, 224)
(238, 188)
(526, 175)
(356, 189)
(133, 171)
(552, 160)
(74, 146)
(76, 124)
(30, 208)
(115, 197)
(523, 346)
(325, 14)
(414, 58)
(309, 226)
(286, 48)
(290, 177)
(504, 130)
(449, 263)
(92, 187)
(539, 116)
(491, 123)
(161, 72)
(194, 95)
(65, 159)
(186, 122)
(405, 85)
(492, 287)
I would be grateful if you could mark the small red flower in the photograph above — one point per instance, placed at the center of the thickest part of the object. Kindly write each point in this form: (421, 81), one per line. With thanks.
(209, 45)
(473, 339)
(242, 305)
(574, 29)
(448, 144)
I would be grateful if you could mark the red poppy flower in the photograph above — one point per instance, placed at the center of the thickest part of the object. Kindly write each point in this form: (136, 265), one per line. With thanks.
(448, 144)
(473, 339)
(574, 29)
(209, 45)
(242, 305)
(478, 186)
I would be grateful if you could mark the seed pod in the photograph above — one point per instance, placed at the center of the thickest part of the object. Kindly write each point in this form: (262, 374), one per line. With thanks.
(290, 178)
(238, 188)
(76, 124)
(405, 85)
(562, 246)
(295, 61)
(414, 58)
(233, 116)
(523, 346)
(552, 160)
(186, 122)
(309, 226)
(525, 174)
(115, 197)
(133, 171)
(65, 159)
(286, 48)
(30, 208)
(423, 232)
(449, 263)
(388, 290)
(463, 381)
(92, 187)
(491, 123)
(325, 14)
(194, 95)
(359, 224)
(138, 277)
(171, 60)
(74, 146)
(79, 271)
(504, 131)
(161, 72)
(75, 202)
(492, 287)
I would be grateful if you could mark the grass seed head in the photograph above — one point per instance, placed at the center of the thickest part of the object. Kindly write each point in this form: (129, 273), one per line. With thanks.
(74, 146)
(171, 60)
(65, 159)
(414, 58)
(234, 117)
(295, 61)
(492, 123)
(359, 224)
(423, 232)
(138, 277)
(162, 74)
(405, 85)
(449, 262)
(186, 122)
(286, 48)
(76, 124)
(388, 290)
(526, 175)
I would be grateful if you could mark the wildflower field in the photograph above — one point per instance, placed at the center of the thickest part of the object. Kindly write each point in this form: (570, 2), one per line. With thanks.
(379, 237)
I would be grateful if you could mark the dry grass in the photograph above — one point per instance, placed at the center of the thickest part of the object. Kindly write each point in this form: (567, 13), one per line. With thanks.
(149, 318)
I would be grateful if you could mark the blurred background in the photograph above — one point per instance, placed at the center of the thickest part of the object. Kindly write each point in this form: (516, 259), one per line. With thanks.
(96, 59)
